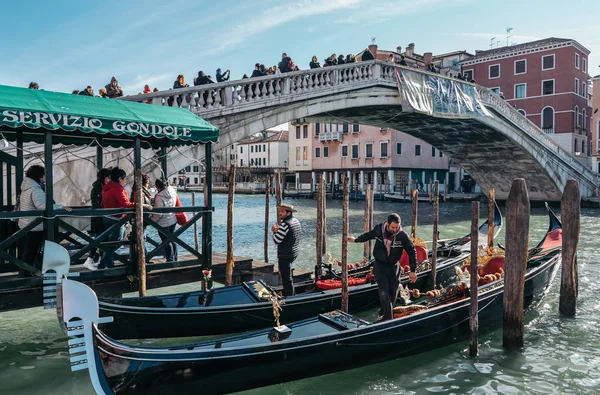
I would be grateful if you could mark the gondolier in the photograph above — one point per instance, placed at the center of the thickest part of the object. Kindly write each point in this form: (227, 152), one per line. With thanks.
(287, 237)
(390, 242)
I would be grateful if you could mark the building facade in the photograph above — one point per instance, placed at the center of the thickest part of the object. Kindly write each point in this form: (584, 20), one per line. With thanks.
(545, 80)
(595, 121)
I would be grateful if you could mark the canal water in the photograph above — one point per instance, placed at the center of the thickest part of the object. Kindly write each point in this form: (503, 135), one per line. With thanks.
(560, 354)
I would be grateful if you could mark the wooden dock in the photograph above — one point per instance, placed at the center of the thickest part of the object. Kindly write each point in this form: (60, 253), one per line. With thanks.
(21, 293)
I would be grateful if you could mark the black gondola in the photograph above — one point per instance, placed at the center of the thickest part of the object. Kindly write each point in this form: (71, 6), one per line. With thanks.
(324, 344)
(248, 306)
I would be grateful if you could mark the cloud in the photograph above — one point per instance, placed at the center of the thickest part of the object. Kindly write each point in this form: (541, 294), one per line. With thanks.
(136, 84)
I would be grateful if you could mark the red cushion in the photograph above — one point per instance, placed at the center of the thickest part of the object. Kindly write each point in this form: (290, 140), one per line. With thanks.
(421, 256)
(334, 284)
(493, 266)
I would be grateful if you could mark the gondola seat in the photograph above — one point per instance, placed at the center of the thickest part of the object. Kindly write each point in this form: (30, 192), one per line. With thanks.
(422, 255)
(334, 283)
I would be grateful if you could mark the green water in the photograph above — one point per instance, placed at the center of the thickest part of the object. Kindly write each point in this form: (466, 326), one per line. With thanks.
(560, 354)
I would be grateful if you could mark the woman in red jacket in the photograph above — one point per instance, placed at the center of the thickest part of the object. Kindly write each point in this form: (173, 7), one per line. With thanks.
(114, 195)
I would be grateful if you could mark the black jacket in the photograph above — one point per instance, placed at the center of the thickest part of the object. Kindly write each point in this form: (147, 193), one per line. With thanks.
(400, 243)
(287, 238)
(315, 65)
(97, 224)
(283, 65)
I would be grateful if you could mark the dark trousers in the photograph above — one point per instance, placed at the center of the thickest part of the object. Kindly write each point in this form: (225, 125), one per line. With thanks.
(34, 243)
(285, 269)
(388, 281)
(171, 248)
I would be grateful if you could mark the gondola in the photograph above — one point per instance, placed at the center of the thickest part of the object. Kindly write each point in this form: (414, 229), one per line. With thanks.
(327, 343)
(249, 306)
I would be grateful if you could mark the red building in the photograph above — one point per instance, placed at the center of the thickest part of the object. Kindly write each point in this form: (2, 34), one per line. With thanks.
(547, 81)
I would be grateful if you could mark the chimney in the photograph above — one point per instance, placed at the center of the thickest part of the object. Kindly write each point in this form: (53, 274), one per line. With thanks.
(373, 50)
(410, 50)
(428, 56)
(399, 50)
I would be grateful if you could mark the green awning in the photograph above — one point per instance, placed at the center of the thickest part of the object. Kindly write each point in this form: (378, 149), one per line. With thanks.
(76, 119)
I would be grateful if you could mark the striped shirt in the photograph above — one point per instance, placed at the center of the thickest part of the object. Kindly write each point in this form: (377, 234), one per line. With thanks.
(287, 238)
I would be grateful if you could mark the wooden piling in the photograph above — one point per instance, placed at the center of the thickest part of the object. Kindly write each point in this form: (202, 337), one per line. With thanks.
(267, 195)
(345, 200)
(430, 190)
(474, 309)
(571, 218)
(517, 236)
(436, 212)
(491, 205)
(139, 233)
(445, 189)
(367, 223)
(415, 210)
(278, 192)
(319, 230)
(411, 189)
(230, 262)
(196, 241)
(324, 215)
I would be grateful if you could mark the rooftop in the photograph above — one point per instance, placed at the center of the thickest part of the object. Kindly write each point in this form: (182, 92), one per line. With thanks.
(524, 46)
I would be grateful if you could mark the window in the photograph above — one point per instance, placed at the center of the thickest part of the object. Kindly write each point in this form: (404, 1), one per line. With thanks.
(241, 163)
(264, 161)
(583, 147)
(548, 62)
(433, 152)
(187, 180)
(418, 150)
(584, 64)
(305, 153)
(576, 123)
(584, 89)
(520, 91)
(576, 86)
(345, 128)
(548, 87)
(583, 119)
(355, 128)
(188, 169)
(297, 153)
(548, 120)
(494, 71)
(241, 149)
(354, 151)
(520, 67)
(196, 180)
(468, 74)
(441, 154)
(317, 152)
(251, 148)
(264, 148)
(495, 90)
(317, 129)
(398, 148)
(325, 152)
(196, 169)
(577, 61)
(384, 149)
(522, 112)
(305, 131)
(368, 150)
(297, 132)
(344, 151)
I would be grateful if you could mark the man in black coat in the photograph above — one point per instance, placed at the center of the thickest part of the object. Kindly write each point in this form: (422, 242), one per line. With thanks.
(286, 65)
(286, 235)
(390, 242)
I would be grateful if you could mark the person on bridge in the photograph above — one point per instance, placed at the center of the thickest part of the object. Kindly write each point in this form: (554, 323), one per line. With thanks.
(222, 77)
(390, 242)
(314, 63)
(286, 65)
(113, 89)
(286, 235)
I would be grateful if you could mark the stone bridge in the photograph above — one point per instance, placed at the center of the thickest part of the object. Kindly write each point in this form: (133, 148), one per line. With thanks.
(494, 148)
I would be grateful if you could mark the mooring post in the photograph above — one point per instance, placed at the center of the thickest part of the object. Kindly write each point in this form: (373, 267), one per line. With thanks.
(436, 212)
(366, 222)
(474, 307)
(267, 193)
(230, 263)
(445, 189)
(319, 233)
(278, 192)
(517, 236)
(139, 233)
(411, 189)
(430, 190)
(324, 214)
(196, 241)
(491, 206)
(345, 200)
(415, 211)
(571, 218)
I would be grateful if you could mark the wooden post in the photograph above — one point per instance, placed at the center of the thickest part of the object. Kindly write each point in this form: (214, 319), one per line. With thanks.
(139, 232)
(345, 199)
(230, 263)
(196, 242)
(474, 309)
(267, 193)
(415, 211)
(491, 205)
(324, 215)
(411, 189)
(278, 192)
(517, 236)
(436, 209)
(445, 189)
(371, 204)
(366, 222)
(430, 190)
(319, 230)
(571, 217)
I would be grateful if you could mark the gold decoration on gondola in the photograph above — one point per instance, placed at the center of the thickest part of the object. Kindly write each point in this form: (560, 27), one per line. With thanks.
(484, 255)
(268, 295)
(417, 241)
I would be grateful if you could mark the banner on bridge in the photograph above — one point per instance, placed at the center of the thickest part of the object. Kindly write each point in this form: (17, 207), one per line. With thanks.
(438, 96)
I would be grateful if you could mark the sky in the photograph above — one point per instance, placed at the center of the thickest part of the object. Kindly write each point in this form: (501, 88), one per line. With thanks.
(68, 44)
